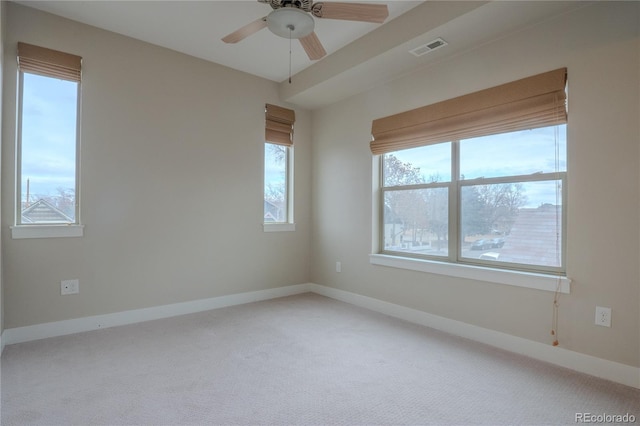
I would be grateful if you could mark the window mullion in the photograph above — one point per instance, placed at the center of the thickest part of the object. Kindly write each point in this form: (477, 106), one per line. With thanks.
(417, 186)
(535, 177)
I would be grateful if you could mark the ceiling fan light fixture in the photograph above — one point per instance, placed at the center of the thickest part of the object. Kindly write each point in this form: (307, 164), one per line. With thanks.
(290, 22)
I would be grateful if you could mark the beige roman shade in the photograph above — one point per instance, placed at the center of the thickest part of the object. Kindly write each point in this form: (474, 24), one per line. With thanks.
(279, 125)
(48, 62)
(529, 103)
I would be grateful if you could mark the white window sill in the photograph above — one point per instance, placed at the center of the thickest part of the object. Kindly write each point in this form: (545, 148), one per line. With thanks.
(499, 276)
(46, 231)
(279, 227)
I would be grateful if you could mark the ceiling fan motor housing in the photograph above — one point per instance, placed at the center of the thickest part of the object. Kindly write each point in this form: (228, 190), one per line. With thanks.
(298, 4)
(294, 19)
(290, 22)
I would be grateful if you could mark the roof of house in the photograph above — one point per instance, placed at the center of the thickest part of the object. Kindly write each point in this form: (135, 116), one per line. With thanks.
(44, 212)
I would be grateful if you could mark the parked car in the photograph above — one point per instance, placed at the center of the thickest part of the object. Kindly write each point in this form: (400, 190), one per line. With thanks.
(481, 245)
(497, 242)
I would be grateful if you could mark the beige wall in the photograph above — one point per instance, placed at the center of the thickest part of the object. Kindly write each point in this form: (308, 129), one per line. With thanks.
(599, 45)
(171, 182)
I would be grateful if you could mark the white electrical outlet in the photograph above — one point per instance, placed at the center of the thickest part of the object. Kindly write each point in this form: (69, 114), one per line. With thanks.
(338, 267)
(69, 287)
(603, 316)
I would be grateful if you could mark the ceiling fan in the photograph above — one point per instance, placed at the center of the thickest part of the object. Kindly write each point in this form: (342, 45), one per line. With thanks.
(292, 19)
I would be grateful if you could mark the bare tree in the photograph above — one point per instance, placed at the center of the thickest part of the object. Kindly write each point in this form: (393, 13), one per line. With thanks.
(279, 152)
(406, 208)
(499, 205)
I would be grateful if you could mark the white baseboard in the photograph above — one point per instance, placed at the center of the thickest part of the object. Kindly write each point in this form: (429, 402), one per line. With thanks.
(588, 364)
(78, 325)
(610, 370)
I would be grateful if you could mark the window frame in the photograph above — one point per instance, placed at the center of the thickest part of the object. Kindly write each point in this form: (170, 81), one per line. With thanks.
(454, 260)
(535, 177)
(45, 230)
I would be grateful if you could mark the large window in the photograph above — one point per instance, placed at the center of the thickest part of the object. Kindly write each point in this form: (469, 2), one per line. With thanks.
(494, 200)
(479, 179)
(48, 143)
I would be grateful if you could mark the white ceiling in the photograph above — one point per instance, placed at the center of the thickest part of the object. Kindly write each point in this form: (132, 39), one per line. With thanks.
(358, 54)
(197, 27)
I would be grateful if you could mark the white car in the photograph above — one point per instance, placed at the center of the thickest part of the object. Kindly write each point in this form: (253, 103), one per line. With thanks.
(489, 256)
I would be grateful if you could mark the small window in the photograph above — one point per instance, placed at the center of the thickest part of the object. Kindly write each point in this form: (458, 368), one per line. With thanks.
(276, 183)
(278, 169)
(47, 143)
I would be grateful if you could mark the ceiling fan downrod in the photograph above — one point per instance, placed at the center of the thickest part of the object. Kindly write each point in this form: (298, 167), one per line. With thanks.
(291, 29)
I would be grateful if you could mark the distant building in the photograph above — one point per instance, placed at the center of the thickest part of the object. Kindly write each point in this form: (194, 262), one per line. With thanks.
(533, 237)
(43, 212)
(273, 212)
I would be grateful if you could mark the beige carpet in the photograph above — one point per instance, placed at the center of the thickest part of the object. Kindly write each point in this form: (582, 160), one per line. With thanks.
(298, 360)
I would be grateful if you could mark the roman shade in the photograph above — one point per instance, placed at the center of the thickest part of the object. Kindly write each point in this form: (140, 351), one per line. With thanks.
(48, 62)
(279, 125)
(532, 102)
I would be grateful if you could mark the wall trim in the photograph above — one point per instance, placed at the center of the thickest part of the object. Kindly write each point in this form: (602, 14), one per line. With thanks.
(605, 369)
(602, 368)
(78, 325)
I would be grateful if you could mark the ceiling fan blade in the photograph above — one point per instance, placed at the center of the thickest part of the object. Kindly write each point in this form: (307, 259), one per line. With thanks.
(246, 31)
(311, 44)
(377, 13)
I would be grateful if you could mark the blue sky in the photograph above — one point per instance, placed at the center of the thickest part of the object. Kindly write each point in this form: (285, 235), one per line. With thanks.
(48, 134)
(518, 153)
(49, 146)
(274, 168)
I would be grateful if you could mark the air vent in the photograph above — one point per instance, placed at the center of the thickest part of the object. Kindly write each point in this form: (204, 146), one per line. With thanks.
(426, 48)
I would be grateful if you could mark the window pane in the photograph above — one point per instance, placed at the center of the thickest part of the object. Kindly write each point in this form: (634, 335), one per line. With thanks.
(275, 183)
(416, 221)
(512, 222)
(517, 153)
(425, 164)
(48, 150)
